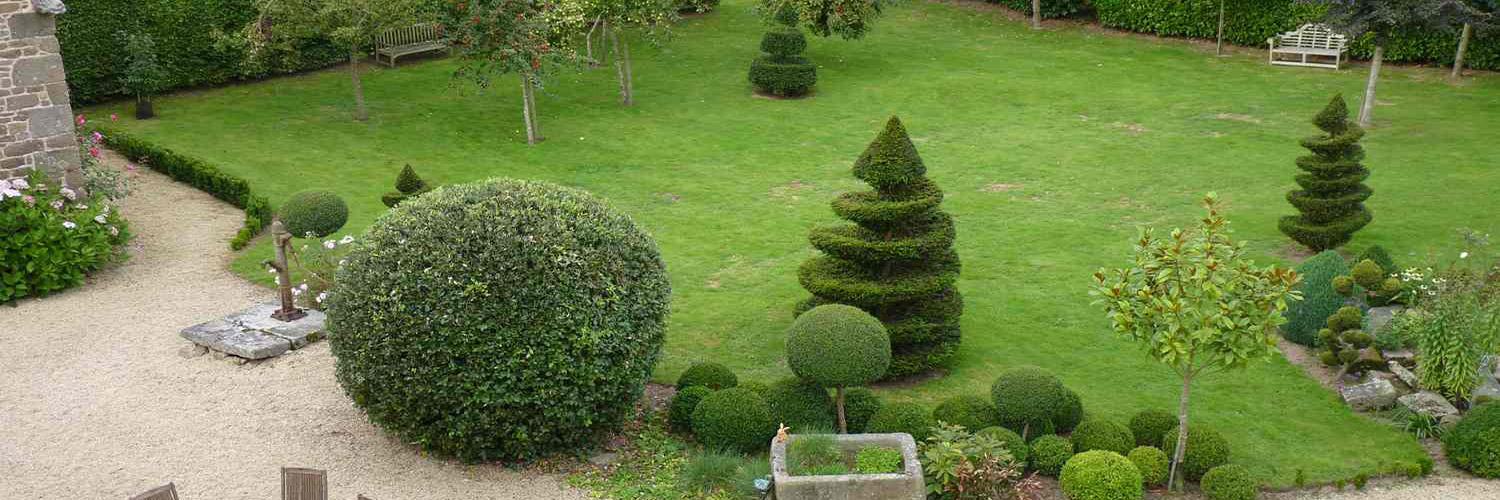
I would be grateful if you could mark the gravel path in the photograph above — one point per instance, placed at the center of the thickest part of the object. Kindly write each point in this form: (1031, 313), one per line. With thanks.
(1432, 488)
(97, 402)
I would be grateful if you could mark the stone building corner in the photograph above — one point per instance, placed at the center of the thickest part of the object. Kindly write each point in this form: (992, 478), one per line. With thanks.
(36, 121)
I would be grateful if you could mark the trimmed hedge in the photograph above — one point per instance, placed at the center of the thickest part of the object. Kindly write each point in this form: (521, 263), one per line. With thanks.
(970, 411)
(1251, 22)
(1232, 482)
(1050, 8)
(198, 42)
(680, 413)
(1474, 444)
(1101, 434)
(1206, 449)
(197, 173)
(910, 418)
(707, 374)
(734, 419)
(800, 404)
(1049, 453)
(1101, 475)
(1319, 300)
(1153, 464)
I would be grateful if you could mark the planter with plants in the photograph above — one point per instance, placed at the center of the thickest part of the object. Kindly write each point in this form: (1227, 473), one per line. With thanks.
(863, 466)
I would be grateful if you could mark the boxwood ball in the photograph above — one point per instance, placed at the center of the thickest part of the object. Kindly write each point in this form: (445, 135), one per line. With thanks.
(318, 212)
(500, 319)
(838, 345)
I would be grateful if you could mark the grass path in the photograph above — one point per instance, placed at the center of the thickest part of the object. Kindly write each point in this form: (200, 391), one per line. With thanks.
(1052, 146)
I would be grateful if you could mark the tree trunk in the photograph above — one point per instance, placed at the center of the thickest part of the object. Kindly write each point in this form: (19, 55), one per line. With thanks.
(621, 51)
(1219, 42)
(528, 110)
(843, 424)
(588, 40)
(1463, 48)
(1367, 108)
(359, 87)
(1182, 434)
(1036, 14)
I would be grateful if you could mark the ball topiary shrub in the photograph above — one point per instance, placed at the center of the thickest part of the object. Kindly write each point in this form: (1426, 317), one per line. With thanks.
(680, 413)
(711, 375)
(1206, 449)
(1101, 475)
(316, 211)
(1150, 425)
(835, 345)
(1102, 434)
(453, 333)
(1013, 442)
(1071, 413)
(1474, 444)
(1228, 482)
(970, 411)
(800, 404)
(734, 419)
(1026, 396)
(1153, 464)
(1049, 453)
(910, 418)
(859, 405)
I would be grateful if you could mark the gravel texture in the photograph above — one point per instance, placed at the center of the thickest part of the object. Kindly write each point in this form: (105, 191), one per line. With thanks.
(100, 399)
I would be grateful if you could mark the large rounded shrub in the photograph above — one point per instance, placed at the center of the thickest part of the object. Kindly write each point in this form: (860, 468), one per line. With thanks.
(734, 419)
(1027, 395)
(1049, 453)
(1149, 426)
(1228, 482)
(316, 212)
(1102, 434)
(680, 412)
(910, 418)
(859, 405)
(711, 375)
(800, 404)
(1101, 475)
(1474, 444)
(1153, 464)
(1206, 449)
(972, 412)
(500, 319)
(1013, 442)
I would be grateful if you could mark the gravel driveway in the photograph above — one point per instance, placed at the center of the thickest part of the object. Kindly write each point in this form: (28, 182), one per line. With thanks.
(97, 402)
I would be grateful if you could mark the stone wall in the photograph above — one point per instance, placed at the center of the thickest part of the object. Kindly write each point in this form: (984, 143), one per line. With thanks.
(36, 121)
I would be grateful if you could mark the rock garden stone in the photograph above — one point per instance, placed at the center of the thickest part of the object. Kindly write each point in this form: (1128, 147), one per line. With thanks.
(1403, 356)
(1428, 403)
(1406, 376)
(253, 334)
(1487, 388)
(1380, 317)
(1376, 394)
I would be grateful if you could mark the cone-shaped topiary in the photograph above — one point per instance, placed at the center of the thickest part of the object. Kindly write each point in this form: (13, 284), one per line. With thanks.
(896, 261)
(314, 213)
(835, 345)
(1333, 192)
(407, 186)
(783, 71)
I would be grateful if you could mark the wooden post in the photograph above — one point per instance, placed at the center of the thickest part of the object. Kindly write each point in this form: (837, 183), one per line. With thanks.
(282, 239)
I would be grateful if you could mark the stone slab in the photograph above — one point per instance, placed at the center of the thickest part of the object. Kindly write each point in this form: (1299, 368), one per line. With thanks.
(1428, 403)
(1406, 375)
(1376, 394)
(254, 334)
(1381, 316)
(1487, 389)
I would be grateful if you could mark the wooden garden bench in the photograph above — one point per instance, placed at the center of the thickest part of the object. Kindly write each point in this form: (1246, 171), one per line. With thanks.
(406, 41)
(167, 492)
(1310, 40)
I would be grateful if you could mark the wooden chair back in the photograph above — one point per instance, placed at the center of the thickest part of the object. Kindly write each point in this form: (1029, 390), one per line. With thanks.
(1314, 36)
(414, 34)
(303, 484)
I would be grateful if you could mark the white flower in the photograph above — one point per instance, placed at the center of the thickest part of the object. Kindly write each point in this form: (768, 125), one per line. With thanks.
(342, 261)
(321, 297)
(303, 287)
(100, 219)
(68, 193)
(4, 185)
(347, 240)
(19, 184)
(296, 292)
(1464, 255)
(69, 224)
(271, 270)
(329, 244)
(83, 207)
(114, 231)
(11, 193)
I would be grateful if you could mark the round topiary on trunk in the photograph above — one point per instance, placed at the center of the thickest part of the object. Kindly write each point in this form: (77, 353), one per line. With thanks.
(1333, 191)
(838, 346)
(896, 261)
(313, 213)
(500, 319)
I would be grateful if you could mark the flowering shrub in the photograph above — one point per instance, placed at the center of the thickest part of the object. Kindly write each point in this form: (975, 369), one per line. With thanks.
(1456, 317)
(97, 178)
(317, 265)
(53, 237)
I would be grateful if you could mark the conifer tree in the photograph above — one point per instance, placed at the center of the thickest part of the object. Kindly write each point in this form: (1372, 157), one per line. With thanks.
(407, 186)
(1333, 192)
(896, 261)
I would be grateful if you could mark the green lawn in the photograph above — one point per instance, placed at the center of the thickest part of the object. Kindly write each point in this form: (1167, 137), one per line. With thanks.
(1052, 147)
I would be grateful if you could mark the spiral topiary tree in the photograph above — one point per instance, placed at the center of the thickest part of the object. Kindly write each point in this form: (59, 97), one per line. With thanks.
(783, 71)
(838, 346)
(1333, 192)
(897, 260)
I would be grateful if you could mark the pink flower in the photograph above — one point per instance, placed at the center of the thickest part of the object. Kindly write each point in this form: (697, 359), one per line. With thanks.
(98, 136)
(68, 193)
(29, 200)
(56, 204)
(114, 118)
(130, 167)
(82, 120)
(94, 153)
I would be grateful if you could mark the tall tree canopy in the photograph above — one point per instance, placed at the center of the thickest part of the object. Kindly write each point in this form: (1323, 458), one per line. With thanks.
(849, 19)
(499, 37)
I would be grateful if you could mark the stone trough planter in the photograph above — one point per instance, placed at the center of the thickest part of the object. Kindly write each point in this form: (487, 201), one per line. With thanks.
(907, 485)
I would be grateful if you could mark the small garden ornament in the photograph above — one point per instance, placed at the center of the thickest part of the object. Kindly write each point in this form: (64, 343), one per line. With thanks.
(289, 311)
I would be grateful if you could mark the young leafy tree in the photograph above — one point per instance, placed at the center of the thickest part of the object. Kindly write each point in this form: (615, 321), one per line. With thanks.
(652, 19)
(1333, 193)
(496, 37)
(849, 19)
(352, 24)
(1197, 303)
(896, 261)
(1382, 19)
(144, 76)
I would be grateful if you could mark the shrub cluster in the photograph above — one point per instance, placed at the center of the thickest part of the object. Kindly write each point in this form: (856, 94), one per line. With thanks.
(1474, 444)
(314, 213)
(972, 412)
(52, 237)
(1148, 426)
(1102, 434)
(714, 376)
(910, 418)
(1101, 475)
(1229, 482)
(680, 412)
(455, 336)
(1153, 464)
(1206, 449)
(859, 405)
(734, 419)
(800, 404)
(1027, 398)
(1319, 300)
(1049, 453)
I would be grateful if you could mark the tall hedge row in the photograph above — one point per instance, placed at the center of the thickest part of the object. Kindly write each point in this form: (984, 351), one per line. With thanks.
(1050, 8)
(199, 42)
(1251, 22)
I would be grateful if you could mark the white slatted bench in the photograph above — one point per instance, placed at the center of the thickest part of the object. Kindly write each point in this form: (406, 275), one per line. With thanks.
(1310, 40)
(407, 41)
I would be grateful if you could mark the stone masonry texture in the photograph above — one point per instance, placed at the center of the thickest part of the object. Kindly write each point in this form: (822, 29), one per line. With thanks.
(36, 121)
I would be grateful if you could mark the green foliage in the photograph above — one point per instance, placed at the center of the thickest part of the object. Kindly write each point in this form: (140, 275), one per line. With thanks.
(1049, 453)
(896, 260)
(1206, 449)
(442, 340)
(1319, 298)
(1333, 192)
(696, 6)
(910, 418)
(800, 404)
(783, 71)
(1231, 482)
(1070, 414)
(714, 376)
(859, 405)
(198, 174)
(144, 76)
(1344, 338)
(878, 460)
(1148, 426)
(1050, 8)
(680, 412)
(1380, 18)
(849, 19)
(314, 213)
(1359, 479)
(807, 453)
(1101, 475)
(1027, 395)
(1380, 257)
(655, 466)
(970, 411)
(783, 43)
(710, 470)
(959, 464)
(496, 37)
(1152, 462)
(752, 468)
(53, 238)
(1474, 444)
(734, 419)
(835, 345)
(1102, 434)
(1453, 329)
(408, 184)
(1013, 443)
